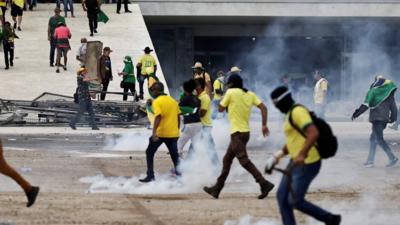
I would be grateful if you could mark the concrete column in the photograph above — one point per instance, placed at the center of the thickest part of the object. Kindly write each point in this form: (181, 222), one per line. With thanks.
(184, 54)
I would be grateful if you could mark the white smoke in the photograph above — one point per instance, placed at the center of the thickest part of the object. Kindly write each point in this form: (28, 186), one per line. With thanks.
(249, 220)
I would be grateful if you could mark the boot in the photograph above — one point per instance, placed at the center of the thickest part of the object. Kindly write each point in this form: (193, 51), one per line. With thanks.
(265, 187)
(214, 190)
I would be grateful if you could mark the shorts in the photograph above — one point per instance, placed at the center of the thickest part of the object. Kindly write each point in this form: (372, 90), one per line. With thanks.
(16, 10)
(62, 50)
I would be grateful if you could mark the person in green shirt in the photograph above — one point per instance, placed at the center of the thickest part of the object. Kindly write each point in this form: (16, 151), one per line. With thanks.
(53, 21)
(128, 81)
(8, 35)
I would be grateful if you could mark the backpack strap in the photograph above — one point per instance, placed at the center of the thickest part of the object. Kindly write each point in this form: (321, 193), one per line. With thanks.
(292, 123)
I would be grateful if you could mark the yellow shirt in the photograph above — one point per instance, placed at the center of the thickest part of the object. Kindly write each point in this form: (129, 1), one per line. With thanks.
(2, 3)
(294, 140)
(206, 78)
(206, 105)
(147, 61)
(218, 85)
(19, 3)
(166, 107)
(321, 87)
(239, 104)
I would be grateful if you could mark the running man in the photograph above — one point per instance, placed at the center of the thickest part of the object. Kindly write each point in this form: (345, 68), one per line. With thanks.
(239, 101)
(165, 129)
(304, 165)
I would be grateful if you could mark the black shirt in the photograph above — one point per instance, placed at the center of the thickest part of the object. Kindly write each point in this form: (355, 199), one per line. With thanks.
(193, 102)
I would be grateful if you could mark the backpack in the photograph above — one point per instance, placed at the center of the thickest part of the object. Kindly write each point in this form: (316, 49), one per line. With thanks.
(326, 143)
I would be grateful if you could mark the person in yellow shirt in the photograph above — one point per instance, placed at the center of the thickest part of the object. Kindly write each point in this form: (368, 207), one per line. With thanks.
(3, 8)
(205, 118)
(165, 129)
(305, 161)
(239, 101)
(320, 94)
(200, 72)
(218, 86)
(17, 10)
(147, 65)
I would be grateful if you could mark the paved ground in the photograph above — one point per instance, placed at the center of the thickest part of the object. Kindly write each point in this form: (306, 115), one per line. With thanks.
(59, 161)
(31, 75)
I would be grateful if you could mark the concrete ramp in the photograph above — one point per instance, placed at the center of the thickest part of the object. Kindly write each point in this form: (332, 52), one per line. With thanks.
(126, 34)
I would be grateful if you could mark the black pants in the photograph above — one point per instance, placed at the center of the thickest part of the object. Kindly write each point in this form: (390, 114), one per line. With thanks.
(377, 139)
(172, 145)
(85, 106)
(53, 45)
(105, 87)
(92, 16)
(125, 5)
(8, 51)
(3, 17)
(129, 87)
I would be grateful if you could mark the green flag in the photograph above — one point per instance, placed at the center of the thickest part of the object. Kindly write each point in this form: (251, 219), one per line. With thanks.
(102, 17)
(376, 95)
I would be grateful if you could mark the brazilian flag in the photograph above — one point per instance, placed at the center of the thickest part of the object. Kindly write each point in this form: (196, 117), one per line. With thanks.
(377, 94)
(102, 17)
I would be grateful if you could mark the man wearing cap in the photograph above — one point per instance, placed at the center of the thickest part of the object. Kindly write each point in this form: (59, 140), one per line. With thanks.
(92, 7)
(239, 101)
(84, 100)
(304, 165)
(81, 53)
(53, 21)
(105, 71)
(128, 82)
(62, 34)
(147, 65)
(200, 72)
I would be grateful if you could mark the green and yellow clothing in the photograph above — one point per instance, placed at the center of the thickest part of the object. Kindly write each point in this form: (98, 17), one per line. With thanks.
(205, 105)
(218, 86)
(129, 76)
(239, 104)
(3, 3)
(147, 61)
(166, 107)
(294, 140)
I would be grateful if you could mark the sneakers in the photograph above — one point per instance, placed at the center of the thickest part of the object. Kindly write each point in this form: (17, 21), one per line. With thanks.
(369, 164)
(265, 188)
(128, 11)
(12, 63)
(32, 196)
(95, 128)
(95, 31)
(58, 71)
(7, 68)
(335, 220)
(91, 34)
(65, 68)
(392, 162)
(147, 179)
(19, 29)
(51, 65)
(214, 190)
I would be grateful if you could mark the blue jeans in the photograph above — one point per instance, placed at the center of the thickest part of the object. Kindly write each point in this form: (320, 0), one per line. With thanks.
(71, 6)
(376, 139)
(172, 145)
(292, 191)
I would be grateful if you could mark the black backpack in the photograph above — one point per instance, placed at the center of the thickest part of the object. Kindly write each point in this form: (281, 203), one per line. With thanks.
(326, 144)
